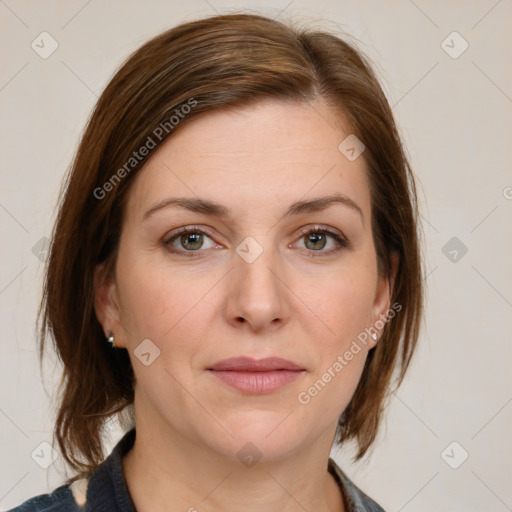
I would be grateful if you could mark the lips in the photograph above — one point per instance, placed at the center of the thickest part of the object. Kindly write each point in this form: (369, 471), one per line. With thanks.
(254, 376)
(246, 364)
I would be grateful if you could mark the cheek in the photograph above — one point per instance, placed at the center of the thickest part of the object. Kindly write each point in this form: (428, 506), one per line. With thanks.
(163, 305)
(340, 304)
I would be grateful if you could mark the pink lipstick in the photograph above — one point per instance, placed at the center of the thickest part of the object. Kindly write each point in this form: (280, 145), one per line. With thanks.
(256, 376)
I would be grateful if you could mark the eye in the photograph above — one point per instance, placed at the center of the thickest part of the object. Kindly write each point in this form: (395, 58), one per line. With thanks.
(189, 240)
(316, 239)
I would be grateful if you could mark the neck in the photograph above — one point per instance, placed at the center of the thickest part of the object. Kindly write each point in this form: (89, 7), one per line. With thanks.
(167, 471)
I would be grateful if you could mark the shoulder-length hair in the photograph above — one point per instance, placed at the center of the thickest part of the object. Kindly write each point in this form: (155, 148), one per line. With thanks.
(224, 61)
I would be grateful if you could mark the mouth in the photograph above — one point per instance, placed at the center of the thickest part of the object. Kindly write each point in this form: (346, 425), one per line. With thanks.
(256, 376)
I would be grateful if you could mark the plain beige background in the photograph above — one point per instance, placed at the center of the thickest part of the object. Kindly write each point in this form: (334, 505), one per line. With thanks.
(454, 107)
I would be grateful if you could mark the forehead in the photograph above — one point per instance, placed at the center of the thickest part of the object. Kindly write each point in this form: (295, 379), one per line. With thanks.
(265, 156)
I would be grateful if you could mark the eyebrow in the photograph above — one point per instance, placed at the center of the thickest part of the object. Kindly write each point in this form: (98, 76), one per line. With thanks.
(210, 208)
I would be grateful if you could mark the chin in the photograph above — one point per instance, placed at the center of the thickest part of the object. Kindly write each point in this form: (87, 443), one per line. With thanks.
(260, 434)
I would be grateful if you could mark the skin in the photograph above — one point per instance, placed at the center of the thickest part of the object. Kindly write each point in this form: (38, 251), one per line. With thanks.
(198, 310)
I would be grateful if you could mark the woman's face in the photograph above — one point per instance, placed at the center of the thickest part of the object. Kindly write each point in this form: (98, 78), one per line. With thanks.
(247, 281)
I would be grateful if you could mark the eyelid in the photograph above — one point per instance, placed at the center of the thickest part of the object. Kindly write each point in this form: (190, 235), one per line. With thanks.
(323, 228)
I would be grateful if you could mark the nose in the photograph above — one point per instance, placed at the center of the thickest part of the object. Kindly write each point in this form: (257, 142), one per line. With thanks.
(257, 295)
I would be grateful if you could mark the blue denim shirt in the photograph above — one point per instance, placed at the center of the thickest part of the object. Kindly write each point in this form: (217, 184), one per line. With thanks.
(106, 490)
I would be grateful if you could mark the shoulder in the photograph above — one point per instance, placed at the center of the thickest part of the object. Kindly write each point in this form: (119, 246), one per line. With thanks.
(65, 498)
(102, 490)
(357, 500)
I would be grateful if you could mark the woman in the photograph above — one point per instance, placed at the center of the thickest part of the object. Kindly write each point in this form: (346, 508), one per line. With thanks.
(236, 265)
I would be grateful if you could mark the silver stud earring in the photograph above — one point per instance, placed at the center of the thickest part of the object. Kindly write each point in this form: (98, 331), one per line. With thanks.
(111, 339)
(374, 336)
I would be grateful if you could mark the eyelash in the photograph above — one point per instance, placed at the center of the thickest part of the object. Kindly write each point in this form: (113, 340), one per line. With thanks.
(342, 242)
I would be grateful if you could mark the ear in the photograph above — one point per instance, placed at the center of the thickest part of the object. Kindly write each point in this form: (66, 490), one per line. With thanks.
(106, 305)
(383, 294)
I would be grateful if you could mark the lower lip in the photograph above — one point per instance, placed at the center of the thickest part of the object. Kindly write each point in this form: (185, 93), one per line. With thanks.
(257, 382)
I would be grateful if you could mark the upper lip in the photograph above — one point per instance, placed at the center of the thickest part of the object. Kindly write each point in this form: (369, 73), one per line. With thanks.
(246, 364)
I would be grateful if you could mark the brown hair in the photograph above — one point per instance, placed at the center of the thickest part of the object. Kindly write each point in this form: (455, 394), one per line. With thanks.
(220, 62)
